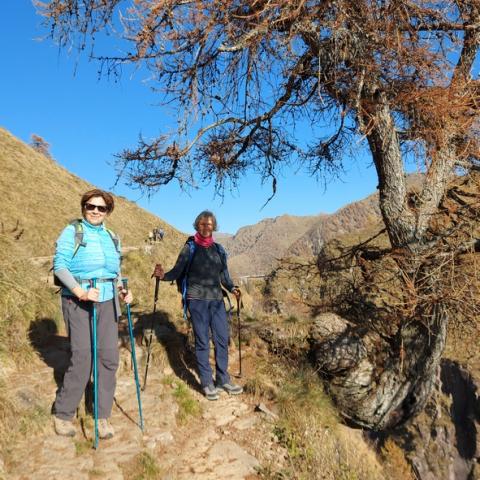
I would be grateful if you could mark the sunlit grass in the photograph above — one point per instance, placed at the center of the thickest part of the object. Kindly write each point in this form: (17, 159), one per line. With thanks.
(143, 467)
(82, 447)
(188, 406)
(308, 426)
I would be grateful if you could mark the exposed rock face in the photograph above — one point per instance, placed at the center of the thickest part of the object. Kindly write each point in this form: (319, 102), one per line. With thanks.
(443, 442)
(373, 382)
(375, 387)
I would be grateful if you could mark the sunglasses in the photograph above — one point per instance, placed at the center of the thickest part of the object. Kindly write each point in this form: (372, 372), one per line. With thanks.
(90, 207)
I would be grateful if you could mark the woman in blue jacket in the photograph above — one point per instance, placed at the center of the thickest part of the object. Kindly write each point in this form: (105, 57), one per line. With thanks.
(87, 250)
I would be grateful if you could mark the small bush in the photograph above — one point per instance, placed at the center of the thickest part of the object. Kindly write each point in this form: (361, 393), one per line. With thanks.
(143, 467)
(188, 406)
(396, 466)
(82, 447)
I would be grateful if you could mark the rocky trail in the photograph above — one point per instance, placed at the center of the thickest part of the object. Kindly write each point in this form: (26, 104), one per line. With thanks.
(230, 438)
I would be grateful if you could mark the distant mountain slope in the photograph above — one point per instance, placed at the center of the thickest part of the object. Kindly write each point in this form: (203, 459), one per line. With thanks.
(352, 217)
(255, 249)
(39, 197)
(222, 237)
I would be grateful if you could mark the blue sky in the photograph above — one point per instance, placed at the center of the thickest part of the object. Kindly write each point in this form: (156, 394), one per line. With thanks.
(87, 120)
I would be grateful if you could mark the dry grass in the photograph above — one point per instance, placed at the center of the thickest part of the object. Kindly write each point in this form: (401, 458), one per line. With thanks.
(19, 420)
(8, 411)
(24, 298)
(188, 406)
(308, 425)
(142, 467)
(138, 267)
(262, 383)
(395, 464)
(44, 183)
(315, 439)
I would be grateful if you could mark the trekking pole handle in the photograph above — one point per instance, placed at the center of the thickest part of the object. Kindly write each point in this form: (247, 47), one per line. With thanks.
(125, 283)
(157, 284)
(239, 305)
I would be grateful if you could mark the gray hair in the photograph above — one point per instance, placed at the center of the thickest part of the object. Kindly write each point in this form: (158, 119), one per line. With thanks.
(205, 214)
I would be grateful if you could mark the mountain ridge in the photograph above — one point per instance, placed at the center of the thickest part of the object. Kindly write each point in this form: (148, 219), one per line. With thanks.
(255, 249)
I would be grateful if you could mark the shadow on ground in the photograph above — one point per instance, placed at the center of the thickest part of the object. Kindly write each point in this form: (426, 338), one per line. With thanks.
(54, 349)
(177, 344)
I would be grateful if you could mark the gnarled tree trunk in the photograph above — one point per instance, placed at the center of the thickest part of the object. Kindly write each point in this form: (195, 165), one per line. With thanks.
(406, 221)
(378, 383)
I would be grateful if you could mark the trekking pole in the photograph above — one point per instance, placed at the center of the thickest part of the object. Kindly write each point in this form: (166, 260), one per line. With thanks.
(155, 298)
(239, 337)
(93, 284)
(134, 357)
(230, 308)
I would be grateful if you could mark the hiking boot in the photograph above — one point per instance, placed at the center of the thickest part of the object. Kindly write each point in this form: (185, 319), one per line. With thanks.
(231, 388)
(211, 392)
(65, 428)
(105, 430)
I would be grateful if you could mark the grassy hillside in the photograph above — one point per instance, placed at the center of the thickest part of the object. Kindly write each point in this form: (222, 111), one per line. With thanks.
(40, 197)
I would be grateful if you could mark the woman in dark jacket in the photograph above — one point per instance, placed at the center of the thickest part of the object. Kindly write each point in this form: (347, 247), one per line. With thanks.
(207, 273)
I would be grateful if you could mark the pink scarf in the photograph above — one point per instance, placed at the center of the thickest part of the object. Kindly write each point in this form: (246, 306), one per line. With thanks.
(203, 241)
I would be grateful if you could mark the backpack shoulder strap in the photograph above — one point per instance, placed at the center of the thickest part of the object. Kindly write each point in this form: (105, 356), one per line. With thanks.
(191, 253)
(191, 249)
(78, 242)
(223, 254)
(77, 224)
(115, 239)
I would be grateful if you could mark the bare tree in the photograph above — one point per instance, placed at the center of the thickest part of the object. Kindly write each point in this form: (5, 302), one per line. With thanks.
(393, 75)
(40, 145)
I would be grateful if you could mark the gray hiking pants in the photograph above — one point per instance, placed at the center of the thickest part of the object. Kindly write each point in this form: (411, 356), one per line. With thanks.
(77, 316)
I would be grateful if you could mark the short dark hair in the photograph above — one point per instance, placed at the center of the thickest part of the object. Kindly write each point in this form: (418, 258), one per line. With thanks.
(205, 214)
(107, 197)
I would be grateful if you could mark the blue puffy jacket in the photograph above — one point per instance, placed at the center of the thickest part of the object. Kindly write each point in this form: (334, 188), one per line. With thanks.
(98, 258)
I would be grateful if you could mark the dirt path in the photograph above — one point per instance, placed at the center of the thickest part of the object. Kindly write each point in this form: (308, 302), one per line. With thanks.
(225, 439)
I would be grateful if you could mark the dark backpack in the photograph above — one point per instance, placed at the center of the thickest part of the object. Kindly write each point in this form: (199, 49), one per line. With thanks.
(77, 223)
(182, 280)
